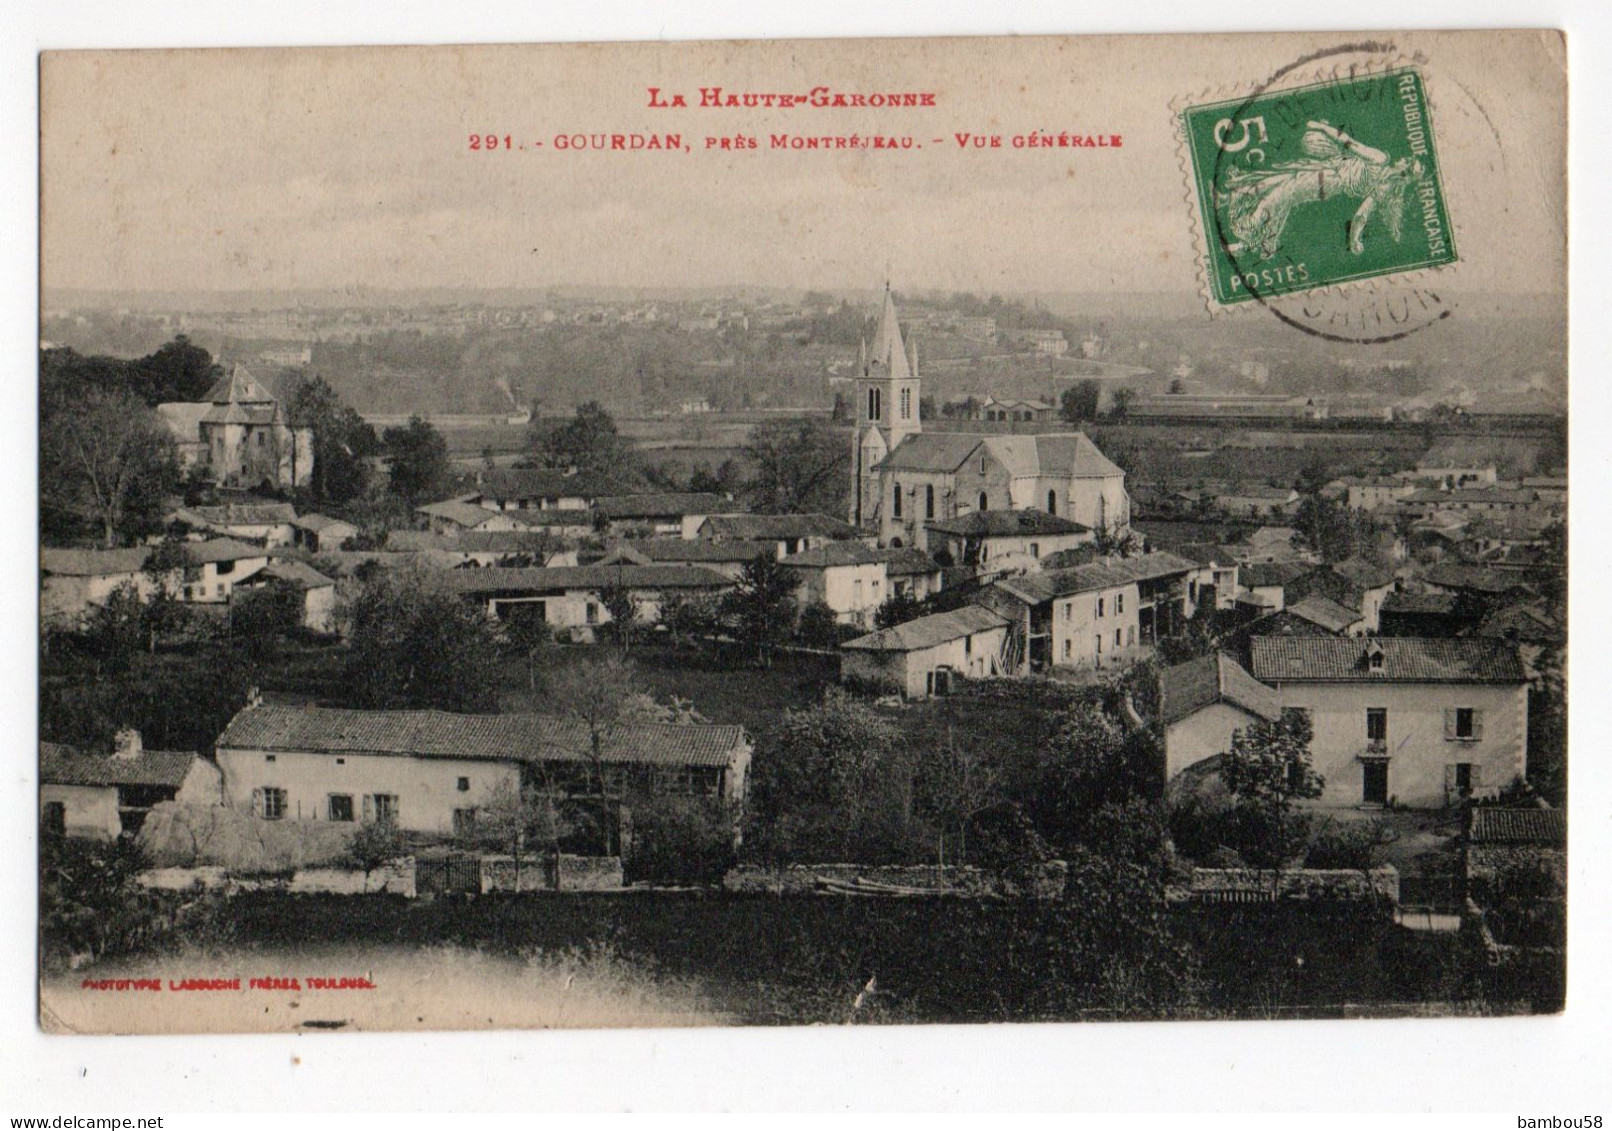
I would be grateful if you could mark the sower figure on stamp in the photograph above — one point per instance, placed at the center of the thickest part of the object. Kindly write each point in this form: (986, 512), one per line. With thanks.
(1258, 203)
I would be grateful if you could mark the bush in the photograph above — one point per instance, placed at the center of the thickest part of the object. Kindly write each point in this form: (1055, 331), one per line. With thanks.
(1352, 845)
(818, 627)
(680, 840)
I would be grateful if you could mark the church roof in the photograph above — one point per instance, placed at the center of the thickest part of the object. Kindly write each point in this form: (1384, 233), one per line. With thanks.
(239, 387)
(930, 451)
(1058, 455)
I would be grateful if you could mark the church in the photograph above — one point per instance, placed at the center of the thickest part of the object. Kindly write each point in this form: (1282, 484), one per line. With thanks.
(904, 478)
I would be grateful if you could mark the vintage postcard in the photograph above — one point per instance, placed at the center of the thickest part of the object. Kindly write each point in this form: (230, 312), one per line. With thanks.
(773, 533)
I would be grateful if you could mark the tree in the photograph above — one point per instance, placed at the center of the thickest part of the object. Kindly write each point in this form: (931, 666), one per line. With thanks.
(898, 608)
(834, 782)
(516, 815)
(1266, 770)
(343, 442)
(819, 627)
(374, 844)
(261, 615)
(625, 611)
(956, 784)
(1326, 526)
(1122, 398)
(1079, 402)
(178, 371)
(107, 460)
(762, 604)
(419, 458)
(528, 635)
(413, 643)
(799, 467)
(600, 694)
(587, 443)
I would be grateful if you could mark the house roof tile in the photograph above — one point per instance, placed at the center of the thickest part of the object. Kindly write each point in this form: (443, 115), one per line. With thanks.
(92, 563)
(1185, 689)
(66, 765)
(439, 734)
(1407, 659)
(1518, 826)
(663, 504)
(927, 632)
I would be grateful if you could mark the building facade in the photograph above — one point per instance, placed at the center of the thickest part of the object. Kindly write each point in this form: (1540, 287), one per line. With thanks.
(1417, 722)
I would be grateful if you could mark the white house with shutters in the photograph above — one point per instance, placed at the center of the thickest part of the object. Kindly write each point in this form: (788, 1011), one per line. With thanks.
(1419, 722)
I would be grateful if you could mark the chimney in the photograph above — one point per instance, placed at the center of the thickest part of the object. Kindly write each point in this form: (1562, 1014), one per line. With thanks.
(254, 697)
(126, 743)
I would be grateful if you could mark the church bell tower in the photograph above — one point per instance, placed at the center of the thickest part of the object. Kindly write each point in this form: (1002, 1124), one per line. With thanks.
(886, 407)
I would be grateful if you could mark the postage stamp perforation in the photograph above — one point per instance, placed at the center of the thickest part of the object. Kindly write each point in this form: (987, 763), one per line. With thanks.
(1209, 97)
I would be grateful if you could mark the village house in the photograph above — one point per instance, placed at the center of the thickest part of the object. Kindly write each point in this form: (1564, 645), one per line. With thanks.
(1214, 581)
(903, 479)
(1417, 722)
(213, 569)
(430, 772)
(1451, 468)
(1426, 614)
(1372, 493)
(1095, 615)
(1258, 500)
(571, 598)
(663, 512)
(319, 532)
(1271, 544)
(104, 796)
(1010, 408)
(1359, 586)
(72, 582)
(913, 573)
(1205, 701)
(268, 524)
(790, 533)
(992, 543)
(848, 577)
(726, 558)
(530, 489)
(1327, 614)
(926, 656)
(316, 592)
(453, 516)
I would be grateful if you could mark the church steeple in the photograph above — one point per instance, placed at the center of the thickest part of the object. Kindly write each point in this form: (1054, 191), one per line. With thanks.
(887, 407)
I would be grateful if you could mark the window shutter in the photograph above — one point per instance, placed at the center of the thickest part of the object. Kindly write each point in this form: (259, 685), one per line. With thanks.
(369, 808)
(1449, 724)
(1477, 731)
(257, 802)
(1475, 776)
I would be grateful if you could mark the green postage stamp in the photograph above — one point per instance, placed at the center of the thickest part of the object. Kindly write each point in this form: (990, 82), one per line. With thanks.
(1316, 185)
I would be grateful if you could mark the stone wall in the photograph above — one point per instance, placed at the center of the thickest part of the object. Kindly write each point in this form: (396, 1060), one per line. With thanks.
(1299, 885)
(396, 877)
(576, 873)
(886, 880)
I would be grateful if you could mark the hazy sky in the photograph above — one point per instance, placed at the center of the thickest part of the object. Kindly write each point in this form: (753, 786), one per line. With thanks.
(249, 169)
